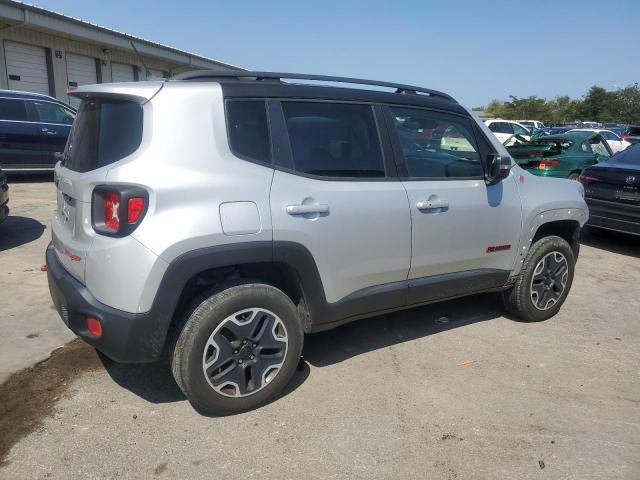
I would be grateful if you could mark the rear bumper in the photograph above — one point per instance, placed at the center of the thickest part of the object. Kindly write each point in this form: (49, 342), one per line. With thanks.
(126, 337)
(614, 216)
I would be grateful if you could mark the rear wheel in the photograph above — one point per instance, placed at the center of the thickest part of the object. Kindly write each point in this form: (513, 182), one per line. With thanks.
(238, 349)
(544, 281)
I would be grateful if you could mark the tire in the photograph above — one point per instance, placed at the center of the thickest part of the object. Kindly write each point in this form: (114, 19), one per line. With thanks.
(248, 338)
(527, 299)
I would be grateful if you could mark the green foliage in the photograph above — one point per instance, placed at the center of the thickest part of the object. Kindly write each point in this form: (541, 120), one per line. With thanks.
(600, 105)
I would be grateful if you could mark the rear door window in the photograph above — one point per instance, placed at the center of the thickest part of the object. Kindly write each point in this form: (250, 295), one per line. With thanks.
(334, 139)
(105, 131)
(13, 109)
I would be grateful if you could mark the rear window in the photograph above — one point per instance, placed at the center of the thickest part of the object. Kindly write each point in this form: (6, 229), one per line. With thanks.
(248, 129)
(11, 109)
(105, 131)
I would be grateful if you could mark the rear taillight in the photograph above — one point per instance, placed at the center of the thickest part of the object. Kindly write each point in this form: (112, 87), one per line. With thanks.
(586, 179)
(118, 209)
(548, 163)
(624, 136)
(112, 211)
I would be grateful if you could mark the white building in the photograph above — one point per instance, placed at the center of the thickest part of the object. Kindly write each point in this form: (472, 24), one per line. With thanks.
(46, 52)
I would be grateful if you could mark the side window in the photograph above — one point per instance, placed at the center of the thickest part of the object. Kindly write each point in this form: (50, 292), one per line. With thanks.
(436, 145)
(13, 109)
(610, 136)
(518, 130)
(333, 139)
(503, 127)
(600, 149)
(248, 129)
(51, 113)
(585, 147)
(493, 126)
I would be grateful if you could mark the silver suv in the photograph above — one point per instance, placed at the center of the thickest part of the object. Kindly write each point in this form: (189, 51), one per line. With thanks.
(219, 217)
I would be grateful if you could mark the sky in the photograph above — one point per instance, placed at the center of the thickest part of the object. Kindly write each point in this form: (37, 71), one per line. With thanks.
(475, 50)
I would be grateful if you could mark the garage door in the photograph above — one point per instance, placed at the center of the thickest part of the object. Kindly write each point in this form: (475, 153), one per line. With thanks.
(26, 67)
(155, 74)
(81, 70)
(121, 72)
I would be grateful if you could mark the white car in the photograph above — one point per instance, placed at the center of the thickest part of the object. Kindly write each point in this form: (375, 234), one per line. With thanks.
(616, 143)
(505, 130)
(532, 123)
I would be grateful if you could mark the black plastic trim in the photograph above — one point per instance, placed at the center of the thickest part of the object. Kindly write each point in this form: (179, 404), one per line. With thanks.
(126, 192)
(140, 337)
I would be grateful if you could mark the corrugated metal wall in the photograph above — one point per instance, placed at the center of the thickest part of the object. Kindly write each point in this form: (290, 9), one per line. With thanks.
(60, 46)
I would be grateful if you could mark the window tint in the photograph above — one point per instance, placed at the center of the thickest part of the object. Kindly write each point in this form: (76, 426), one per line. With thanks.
(51, 113)
(104, 132)
(436, 145)
(333, 139)
(12, 109)
(503, 127)
(610, 136)
(248, 129)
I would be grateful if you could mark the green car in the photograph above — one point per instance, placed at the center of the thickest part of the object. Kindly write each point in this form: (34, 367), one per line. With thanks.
(561, 156)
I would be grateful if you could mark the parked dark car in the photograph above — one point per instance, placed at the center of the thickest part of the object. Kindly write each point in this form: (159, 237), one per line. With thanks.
(612, 191)
(33, 128)
(632, 135)
(4, 196)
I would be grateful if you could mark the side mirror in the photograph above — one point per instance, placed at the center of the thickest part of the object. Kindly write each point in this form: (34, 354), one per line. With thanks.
(498, 168)
(58, 156)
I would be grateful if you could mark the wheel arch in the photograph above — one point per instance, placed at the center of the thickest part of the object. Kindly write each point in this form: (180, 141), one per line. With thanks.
(287, 266)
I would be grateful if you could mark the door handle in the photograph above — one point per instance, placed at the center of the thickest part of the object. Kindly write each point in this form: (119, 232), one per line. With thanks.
(432, 204)
(48, 131)
(304, 209)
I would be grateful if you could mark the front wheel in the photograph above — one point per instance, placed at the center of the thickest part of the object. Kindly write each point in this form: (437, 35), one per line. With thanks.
(238, 349)
(544, 281)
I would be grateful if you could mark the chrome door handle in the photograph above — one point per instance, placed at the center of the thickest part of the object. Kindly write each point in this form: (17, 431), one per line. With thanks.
(304, 209)
(48, 131)
(432, 204)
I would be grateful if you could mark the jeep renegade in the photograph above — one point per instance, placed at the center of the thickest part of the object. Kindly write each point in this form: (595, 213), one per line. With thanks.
(220, 217)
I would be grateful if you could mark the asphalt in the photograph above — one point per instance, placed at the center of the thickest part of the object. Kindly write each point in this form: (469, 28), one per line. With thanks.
(453, 391)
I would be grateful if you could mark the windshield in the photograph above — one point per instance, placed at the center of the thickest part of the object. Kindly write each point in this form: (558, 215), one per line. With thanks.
(105, 131)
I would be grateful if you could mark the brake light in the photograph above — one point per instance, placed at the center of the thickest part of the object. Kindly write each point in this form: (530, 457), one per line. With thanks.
(548, 163)
(624, 135)
(135, 207)
(118, 209)
(586, 179)
(112, 211)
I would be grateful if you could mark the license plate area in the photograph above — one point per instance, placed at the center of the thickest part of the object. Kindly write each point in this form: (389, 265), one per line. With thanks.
(628, 193)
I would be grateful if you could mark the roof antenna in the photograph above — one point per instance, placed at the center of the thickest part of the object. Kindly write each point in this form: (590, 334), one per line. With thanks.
(146, 69)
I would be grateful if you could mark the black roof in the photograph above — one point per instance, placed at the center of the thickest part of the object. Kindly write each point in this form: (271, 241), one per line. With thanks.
(270, 84)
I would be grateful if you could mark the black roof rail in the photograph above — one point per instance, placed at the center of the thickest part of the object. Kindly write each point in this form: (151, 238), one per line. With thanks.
(215, 74)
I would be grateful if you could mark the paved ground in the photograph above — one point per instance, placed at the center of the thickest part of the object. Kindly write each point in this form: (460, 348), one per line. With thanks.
(408, 395)
(29, 328)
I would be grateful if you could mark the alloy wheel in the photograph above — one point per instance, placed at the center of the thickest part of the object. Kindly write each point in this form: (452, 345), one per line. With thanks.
(245, 352)
(549, 280)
